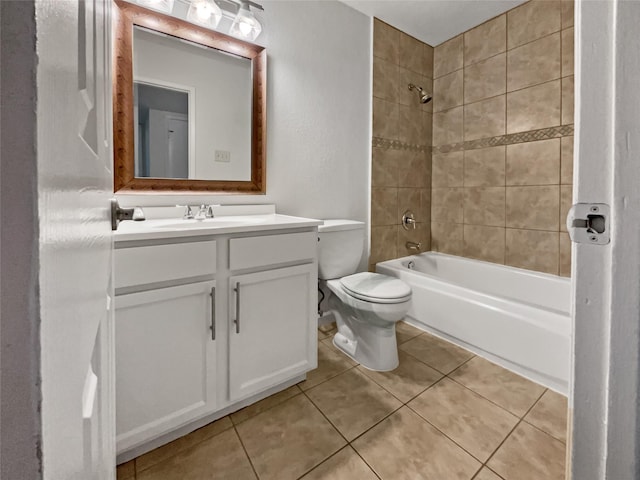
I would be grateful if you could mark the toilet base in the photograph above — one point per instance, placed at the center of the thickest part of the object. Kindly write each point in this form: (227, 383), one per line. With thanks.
(375, 348)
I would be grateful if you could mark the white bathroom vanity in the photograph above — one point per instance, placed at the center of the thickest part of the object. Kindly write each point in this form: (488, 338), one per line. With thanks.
(211, 316)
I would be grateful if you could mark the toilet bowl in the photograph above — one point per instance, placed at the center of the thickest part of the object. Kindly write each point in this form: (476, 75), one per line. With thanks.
(366, 305)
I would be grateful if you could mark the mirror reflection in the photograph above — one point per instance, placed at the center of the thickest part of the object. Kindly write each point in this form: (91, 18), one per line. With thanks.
(192, 110)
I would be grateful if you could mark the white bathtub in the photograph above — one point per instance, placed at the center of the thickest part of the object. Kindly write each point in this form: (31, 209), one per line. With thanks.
(514, 317)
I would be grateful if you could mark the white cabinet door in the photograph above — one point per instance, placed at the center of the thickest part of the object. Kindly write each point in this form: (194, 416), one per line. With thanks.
(165, 360)
(272, 332)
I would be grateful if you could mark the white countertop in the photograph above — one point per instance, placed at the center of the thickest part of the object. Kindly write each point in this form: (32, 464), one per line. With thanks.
(159, 228)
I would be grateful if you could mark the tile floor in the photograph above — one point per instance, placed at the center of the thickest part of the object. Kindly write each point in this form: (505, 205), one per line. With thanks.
(443, 414)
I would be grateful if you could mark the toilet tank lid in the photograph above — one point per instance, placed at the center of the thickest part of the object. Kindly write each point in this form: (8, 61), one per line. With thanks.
(340, 224)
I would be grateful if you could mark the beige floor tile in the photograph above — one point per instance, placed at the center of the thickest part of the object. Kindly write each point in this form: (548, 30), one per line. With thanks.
(330, 364)
(408, 380)
(327, 330)
(221, 457)
(344, 465)
(265, 404)
(353, 402)
(289, 440)
(329, 343)
(505, 388)
(405, 332)
(550, 415)
(473, 422)
(404, 446)
(126, 471)
(170, 449)
(529, 454)
(437, 353)
(486, 474)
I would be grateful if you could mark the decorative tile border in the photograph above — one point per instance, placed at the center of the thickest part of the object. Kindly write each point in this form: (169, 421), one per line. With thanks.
(510, 139)
(388, 144)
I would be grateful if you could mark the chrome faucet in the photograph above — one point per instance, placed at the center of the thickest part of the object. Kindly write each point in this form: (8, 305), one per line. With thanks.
(205, 211)
(188, 213)
(414, 246)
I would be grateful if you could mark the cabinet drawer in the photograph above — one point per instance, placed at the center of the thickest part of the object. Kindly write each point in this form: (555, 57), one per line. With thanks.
(266, 250)
(160, 263)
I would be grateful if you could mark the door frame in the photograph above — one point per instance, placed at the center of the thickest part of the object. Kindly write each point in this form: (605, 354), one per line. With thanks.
(606, 279)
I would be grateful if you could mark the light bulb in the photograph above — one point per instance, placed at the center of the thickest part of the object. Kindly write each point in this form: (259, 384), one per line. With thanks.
(245, 25)
(204, 12)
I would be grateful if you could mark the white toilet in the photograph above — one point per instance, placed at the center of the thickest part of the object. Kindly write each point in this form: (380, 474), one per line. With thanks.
(366, 305)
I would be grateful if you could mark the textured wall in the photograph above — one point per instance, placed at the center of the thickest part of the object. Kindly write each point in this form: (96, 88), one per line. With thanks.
(503, 139)
(401, 162)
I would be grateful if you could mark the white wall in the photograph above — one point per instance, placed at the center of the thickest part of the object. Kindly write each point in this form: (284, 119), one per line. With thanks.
(319, 121)
(222, 99)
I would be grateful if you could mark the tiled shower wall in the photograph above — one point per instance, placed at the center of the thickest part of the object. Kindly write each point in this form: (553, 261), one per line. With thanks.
(401, 158)
(503, 139)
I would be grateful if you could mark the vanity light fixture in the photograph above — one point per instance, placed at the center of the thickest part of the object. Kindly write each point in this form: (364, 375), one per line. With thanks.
(204, 12)
(164, 6)
(245, 25)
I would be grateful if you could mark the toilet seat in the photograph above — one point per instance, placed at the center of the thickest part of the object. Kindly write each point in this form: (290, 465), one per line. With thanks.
(376, 288)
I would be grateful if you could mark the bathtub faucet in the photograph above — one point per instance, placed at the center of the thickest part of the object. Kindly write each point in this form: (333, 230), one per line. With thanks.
(413, 246)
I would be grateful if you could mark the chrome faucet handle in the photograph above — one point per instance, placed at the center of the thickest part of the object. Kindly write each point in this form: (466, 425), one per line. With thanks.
(188, 213)
(408, 220)
(210, 211)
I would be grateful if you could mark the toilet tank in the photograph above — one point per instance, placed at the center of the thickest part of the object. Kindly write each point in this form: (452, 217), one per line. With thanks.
(340, 248)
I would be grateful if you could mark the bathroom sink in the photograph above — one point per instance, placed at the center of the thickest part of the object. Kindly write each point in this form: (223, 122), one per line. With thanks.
(217, 222)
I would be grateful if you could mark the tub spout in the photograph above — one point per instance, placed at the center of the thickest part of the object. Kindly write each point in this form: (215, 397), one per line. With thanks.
(413, 246)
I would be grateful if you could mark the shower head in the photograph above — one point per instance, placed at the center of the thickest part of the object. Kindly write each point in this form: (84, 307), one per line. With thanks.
(424, 96)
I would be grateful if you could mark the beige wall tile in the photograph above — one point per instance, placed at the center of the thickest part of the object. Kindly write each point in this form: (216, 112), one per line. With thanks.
(447, 169)
(484, 79)
(484, 243)
(384, 167)
(567, 51)
(383, 243)
(567, 7)
(414, 169)
(427, 128)
(411, 53)
(449, 88)
(566, 160)
(447, 238)
(411, 128)
(484, 206)
(410, 199)
(447, 204)
(534, 63)
(386, 41)
(567, 100)
(533, 250)
(485, 118)
(534, 208)
(385, 80)
(534, 163)
(566, 200)
(534, 107)
(426, 204)
(385, 119)
(384, 206)
(427, 60)
(447, 57)
(484, 167)
(447, 126)
(421, 234)
(485, 40)
(565, 255)
(531, 21)
(410, 97)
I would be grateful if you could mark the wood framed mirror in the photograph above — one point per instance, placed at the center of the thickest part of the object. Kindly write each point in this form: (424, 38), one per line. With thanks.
(214, 145)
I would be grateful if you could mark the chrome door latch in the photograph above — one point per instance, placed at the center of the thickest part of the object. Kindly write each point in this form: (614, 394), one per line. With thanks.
(118, 214)
(589, 223)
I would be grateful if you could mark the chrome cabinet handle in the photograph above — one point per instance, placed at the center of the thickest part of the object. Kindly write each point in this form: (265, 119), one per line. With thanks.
(237, 320)
(213, 313)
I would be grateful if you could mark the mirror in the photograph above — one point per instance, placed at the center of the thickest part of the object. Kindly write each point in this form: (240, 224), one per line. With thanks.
(189, 106)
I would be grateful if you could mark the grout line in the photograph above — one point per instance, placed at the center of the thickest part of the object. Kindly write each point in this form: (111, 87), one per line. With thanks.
(245, 452)
(543, 431)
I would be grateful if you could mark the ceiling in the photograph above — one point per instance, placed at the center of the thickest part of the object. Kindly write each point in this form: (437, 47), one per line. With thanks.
(433, 21)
